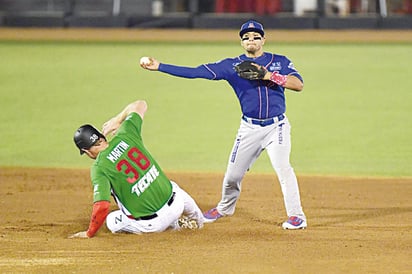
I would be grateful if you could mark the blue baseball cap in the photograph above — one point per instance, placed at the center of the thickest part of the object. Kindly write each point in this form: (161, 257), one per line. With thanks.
(252, 25)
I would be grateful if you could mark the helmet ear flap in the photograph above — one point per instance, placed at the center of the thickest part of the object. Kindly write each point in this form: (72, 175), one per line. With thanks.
(86, 136)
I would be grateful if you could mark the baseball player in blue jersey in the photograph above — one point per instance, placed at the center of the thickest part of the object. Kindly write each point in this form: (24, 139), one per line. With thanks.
(263, 126)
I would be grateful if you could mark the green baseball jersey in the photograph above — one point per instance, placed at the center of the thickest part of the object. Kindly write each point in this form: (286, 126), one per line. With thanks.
(126, 170)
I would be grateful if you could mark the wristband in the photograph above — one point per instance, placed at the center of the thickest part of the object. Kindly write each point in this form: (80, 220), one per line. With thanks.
(278, 79)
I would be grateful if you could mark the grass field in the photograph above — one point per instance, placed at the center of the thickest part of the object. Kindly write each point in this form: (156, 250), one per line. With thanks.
(353, 117)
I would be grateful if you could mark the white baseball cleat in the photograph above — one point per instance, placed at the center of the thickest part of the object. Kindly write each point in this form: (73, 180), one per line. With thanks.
(294, 222)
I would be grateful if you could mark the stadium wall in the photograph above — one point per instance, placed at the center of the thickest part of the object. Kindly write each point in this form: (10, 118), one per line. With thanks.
(204, 21)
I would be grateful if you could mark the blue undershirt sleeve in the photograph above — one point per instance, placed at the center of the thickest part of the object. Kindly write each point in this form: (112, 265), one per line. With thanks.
(187, 72)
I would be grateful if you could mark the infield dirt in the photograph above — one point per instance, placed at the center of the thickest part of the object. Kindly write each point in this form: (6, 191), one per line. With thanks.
(355, 225)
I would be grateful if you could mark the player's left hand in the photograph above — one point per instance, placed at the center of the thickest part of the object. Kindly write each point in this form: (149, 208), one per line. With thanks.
(81, 234)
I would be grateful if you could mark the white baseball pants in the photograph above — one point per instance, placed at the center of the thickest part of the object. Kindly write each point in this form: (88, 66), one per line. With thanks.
(183, 204)
(250, 141)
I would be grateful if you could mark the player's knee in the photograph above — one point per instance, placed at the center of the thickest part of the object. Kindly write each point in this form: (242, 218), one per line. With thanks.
(116, 221)
(234, 177)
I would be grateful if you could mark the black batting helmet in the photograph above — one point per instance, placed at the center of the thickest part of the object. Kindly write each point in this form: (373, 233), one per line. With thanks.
(86, 136)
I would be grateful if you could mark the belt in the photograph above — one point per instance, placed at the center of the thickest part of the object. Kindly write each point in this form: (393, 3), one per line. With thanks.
(149, 217)
(263, 122)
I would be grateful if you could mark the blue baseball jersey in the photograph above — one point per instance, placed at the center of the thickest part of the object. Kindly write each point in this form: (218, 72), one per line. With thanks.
(259, 99)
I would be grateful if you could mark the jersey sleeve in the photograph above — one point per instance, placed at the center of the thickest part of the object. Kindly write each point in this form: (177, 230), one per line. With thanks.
(219, 70)
(101, 185)
(132, 123)
(289, 69)
(223, 69)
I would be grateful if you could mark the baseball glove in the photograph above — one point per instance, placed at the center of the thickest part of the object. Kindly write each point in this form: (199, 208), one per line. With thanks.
(250, 70)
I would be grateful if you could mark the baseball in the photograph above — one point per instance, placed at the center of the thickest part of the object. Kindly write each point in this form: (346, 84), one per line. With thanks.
(145, 61)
